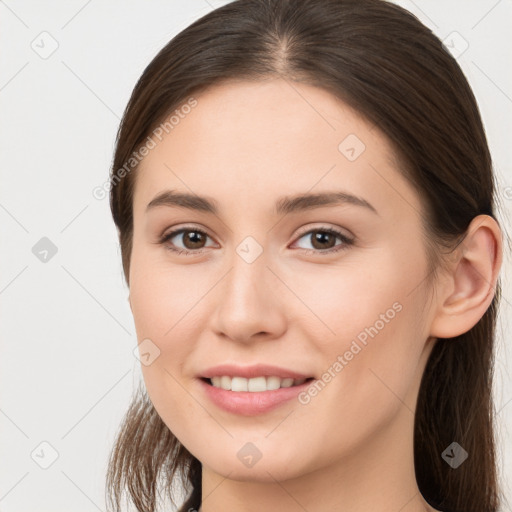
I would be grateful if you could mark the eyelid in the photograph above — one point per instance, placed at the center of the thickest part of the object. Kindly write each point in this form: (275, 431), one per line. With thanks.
(302, 231)
(175, 230)
(325, 227)
(347, 240)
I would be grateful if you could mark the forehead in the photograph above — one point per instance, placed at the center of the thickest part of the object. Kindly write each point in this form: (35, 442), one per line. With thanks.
(255, 140)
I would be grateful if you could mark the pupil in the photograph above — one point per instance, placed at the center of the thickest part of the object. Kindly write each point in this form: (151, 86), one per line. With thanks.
(194, 237)
(322, 236)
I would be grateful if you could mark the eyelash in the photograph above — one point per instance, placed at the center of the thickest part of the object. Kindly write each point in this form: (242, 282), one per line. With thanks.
(323, 229)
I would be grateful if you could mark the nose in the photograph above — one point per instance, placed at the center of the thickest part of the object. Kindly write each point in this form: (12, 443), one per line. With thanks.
(247, 307)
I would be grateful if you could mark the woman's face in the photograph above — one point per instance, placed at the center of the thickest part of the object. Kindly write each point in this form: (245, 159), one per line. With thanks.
(268, 284)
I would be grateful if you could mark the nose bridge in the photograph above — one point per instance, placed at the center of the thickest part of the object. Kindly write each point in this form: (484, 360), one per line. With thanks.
(246, 305)
(247, 280)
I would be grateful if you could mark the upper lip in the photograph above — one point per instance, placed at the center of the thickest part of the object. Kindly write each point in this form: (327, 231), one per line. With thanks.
(248, 372)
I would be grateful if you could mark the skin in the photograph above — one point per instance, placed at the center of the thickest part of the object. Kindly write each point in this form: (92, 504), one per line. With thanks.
(245, 145)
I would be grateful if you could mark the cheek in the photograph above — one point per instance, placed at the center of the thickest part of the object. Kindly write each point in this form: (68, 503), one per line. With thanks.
(375, 336)
(161, 294)
(162, 313)
(370, 370)
(345, 302)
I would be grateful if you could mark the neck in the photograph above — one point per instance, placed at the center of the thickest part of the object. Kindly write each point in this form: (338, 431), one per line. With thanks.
(377, 475)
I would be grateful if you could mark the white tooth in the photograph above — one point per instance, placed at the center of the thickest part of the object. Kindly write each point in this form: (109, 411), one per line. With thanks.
(238, 384)
(225, 382)
(286, 383)
(273, 383)
(257, 384)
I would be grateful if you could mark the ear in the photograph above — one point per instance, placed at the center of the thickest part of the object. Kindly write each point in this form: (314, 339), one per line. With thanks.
(470, 287)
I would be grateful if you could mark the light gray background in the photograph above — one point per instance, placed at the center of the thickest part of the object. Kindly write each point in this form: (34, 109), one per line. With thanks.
(66, 366)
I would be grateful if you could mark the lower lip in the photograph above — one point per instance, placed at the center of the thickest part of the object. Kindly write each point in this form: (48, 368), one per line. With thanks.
(248, 403)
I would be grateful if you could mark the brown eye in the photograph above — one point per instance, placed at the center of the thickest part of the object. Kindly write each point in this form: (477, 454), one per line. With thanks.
(323, 240)
(191, 240)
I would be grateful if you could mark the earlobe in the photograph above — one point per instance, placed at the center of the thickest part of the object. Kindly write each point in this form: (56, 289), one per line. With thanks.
(471, 286)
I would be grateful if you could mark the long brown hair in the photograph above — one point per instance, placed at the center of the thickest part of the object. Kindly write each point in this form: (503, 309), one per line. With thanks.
(382, 61)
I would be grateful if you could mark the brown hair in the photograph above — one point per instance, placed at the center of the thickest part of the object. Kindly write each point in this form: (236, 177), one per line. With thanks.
(382, 61)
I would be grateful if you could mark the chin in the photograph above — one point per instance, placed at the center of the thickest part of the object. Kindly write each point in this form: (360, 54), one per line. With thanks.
(269, 468)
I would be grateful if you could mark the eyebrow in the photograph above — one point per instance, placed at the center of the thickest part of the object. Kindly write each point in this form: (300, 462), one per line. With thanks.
(284, 205)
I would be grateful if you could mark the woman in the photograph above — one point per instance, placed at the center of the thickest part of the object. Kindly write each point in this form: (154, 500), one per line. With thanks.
(305, 203)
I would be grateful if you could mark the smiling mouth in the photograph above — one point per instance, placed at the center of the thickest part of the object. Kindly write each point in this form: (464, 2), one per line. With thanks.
(255, 384)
